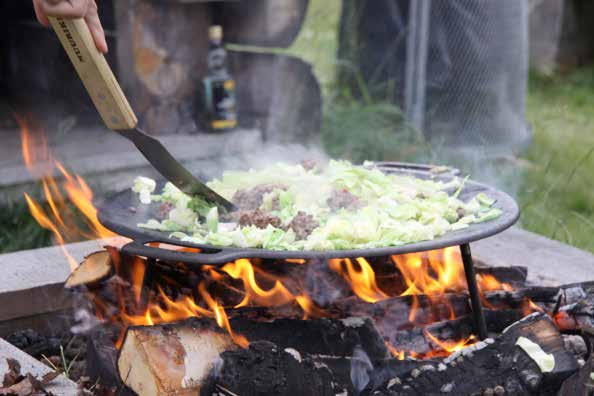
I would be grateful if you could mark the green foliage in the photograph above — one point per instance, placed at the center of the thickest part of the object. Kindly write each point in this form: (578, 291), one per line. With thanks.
(19, 230)
(361, 131)
(557, 192)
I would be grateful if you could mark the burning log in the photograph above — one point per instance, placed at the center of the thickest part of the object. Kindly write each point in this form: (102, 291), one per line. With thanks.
(401, 311)
(95, 267)
(163, 358)
(333, 337)
(495, 366)
(172, 359)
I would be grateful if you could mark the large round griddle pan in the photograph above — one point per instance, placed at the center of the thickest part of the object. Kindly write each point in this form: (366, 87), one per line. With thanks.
(122, 212)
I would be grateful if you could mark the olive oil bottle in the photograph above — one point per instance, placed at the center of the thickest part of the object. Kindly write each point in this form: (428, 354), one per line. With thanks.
(216, 102)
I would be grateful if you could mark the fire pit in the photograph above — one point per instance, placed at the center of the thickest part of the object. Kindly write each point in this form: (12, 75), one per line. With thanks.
(394, 325)
(170, 319)
(403, 320)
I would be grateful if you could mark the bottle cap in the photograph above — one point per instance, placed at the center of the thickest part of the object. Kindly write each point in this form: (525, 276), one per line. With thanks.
(215, 32)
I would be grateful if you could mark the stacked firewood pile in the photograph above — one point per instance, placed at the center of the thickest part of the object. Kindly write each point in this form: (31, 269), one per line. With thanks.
(541, 338)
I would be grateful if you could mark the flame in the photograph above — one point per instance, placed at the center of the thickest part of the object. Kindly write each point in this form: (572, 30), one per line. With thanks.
(528, 307)
(360, 277)
(447, 346)
(400, 355)
(66, 199)
(221, 317)
(244, 270)
(489, 282)
(432, 272)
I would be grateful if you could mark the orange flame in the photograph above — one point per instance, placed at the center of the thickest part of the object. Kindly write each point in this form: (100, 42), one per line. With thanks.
(400, 355)
(244, 270)
(221, 317)
(360, 277)
(448, 346)
(59, 217)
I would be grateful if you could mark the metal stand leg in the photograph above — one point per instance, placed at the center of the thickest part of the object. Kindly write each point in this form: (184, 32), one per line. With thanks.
(147, 284)
(475, 298)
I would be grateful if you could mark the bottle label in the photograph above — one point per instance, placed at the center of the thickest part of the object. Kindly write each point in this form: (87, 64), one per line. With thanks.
(221, 101)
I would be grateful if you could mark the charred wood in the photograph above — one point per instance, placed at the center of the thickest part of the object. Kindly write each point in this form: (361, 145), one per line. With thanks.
(334, 337)
(494, 364)
(580, 383)
(267, 369)
(181, 356)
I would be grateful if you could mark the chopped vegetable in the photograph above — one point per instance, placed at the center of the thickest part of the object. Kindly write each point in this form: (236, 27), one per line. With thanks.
(341, 206)
(545, 361)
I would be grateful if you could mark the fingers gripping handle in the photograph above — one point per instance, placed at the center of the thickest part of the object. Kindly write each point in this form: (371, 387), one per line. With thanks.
(95, 73)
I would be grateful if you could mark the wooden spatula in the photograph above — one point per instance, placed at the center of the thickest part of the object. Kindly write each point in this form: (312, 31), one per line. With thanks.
(110, 101)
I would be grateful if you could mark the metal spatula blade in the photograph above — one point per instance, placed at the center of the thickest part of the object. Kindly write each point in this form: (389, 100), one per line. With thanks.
(113, 106)
(162, 160)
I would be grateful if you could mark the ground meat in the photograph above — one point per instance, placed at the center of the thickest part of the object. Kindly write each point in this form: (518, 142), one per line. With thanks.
(303, 224)
(164, 210)
(250, 199)
(258, 218)
(309, 164)
(343, 199)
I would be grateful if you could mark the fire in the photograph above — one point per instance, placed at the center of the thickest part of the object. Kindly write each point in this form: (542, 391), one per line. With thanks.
(221, 317)
(69, 199)
(361, 277)
(244, 270)
(398, 354)
(448, 346)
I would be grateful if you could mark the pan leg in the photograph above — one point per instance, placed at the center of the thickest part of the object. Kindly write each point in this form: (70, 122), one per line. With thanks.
(475, 298)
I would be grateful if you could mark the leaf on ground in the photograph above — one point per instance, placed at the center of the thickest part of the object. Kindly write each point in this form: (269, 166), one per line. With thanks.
(49, 377)
(14, 373)
(27, 385)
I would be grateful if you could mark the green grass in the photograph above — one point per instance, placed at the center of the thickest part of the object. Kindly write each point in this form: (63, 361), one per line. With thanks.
(557, 192)
(19, 230)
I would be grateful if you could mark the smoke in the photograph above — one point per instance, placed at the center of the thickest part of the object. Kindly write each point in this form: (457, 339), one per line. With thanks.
(498, 168)
(85, 321)
(361, 367)
(258, 157)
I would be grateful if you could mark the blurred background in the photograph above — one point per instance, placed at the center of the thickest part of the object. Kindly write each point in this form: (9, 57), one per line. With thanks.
(502, 90)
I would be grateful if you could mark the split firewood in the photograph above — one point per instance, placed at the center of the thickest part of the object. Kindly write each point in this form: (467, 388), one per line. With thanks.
(179, 357)
(171, 359)
(95, 267)
(496, 366)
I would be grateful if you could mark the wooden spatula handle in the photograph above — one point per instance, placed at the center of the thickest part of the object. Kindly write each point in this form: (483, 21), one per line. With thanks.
(95, 73)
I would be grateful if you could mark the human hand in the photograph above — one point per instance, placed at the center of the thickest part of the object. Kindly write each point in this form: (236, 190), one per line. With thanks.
(86, 9)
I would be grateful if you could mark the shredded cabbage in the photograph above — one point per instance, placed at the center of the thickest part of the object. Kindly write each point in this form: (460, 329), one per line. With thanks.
(391, 209)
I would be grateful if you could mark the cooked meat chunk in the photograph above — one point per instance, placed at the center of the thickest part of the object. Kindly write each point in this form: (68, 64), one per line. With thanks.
(164, 210)
(258, 218)
(309, 164)
(343, 199)
(303, 224)
(460, 212)
(250, 199)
